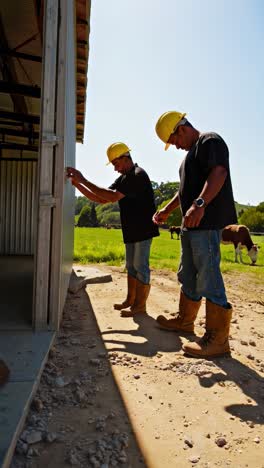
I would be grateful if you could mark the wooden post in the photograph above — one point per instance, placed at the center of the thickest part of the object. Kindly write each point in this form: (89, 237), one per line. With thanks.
(46, 201)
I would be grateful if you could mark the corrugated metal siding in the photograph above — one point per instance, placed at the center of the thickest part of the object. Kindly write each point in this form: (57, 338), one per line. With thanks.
(17, 207)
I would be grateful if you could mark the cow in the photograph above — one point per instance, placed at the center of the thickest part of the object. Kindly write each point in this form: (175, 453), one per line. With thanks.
(238, 235)
(176, 230)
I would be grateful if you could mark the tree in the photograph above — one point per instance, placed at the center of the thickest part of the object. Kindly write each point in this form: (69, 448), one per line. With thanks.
(94, 220)
(112, 219)
(253, 218)
(164, 191)
(104, 213)
(85, 219)
(80, 202)
(175, 218)
(260, 207)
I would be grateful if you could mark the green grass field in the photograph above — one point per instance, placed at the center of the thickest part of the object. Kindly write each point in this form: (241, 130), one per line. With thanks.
(99, 245)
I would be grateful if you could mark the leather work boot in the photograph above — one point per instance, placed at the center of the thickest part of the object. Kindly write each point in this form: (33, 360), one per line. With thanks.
(4, 372)
(139, 306)
(215, 340)
(131, 294)
(184, 321)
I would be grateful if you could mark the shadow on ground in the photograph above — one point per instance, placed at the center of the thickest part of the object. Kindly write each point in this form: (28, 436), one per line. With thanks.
(156, 340)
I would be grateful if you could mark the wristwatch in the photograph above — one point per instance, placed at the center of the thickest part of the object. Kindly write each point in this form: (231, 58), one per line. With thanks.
(199, 202)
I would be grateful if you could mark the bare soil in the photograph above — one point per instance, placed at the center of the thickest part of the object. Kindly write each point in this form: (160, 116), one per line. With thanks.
(119, 391)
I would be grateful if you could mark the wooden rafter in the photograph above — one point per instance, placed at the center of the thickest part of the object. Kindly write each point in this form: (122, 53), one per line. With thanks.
(9, 72)
(20, 55)
(19, 89)
(18, 146)
(19, 117)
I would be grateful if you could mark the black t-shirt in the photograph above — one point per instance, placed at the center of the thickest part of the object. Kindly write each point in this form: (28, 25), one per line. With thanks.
(209, 151)
(137, 207)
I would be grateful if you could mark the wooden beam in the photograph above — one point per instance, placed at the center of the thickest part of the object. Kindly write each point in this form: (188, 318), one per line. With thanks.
(8, 87)
(19, 117)
(17, 159)
(46, 166)
(9, 73)
(19, 133)
(19, 147)
(20, 55)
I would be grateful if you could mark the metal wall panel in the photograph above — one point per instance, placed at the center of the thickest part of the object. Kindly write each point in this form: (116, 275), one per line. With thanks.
(17, 207)
(63, 213)
(69, 154)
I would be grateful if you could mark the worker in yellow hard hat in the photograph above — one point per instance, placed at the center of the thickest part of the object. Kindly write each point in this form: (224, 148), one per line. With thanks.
(206, 200)
(133, 191)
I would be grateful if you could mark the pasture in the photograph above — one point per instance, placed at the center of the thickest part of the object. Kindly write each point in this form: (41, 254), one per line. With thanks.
(100, 245)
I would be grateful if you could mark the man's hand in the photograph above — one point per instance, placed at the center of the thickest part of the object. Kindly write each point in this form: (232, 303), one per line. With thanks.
(160, 216)
(193, 216)
(75, 175)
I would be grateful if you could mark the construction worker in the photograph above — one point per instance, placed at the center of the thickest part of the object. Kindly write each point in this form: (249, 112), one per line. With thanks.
(206, 200)
(134, 193)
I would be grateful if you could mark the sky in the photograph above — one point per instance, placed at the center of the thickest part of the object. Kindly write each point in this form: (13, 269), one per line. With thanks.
(202, 57)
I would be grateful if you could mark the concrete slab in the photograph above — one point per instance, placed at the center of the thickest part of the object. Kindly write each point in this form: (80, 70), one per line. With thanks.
(14, 403)
(16, 292)
(25, 354)
(83, 275)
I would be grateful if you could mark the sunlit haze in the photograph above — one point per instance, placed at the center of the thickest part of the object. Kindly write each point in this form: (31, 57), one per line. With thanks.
(201, 57)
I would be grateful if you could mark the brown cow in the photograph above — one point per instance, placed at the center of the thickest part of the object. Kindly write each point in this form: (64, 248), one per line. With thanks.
(238, 235)
(176, 230)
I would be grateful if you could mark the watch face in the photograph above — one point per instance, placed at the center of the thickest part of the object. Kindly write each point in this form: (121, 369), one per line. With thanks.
(200, 202)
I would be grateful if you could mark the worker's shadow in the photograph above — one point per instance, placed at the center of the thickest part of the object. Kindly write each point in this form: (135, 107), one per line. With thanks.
(156, 340)
(250, 382)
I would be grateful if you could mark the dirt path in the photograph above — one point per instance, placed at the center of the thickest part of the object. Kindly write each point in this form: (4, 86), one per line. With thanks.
(151, 406)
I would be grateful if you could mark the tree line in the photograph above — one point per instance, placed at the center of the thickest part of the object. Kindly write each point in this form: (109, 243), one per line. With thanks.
(90, 214)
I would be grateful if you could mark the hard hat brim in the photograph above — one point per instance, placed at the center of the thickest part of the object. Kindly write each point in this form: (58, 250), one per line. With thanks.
(167, 146)
(121, 155)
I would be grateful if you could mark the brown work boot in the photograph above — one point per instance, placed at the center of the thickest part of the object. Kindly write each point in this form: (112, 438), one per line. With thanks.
(139, 306)
(184, 321)
(4, 372)
(131, 293)
(215, 340)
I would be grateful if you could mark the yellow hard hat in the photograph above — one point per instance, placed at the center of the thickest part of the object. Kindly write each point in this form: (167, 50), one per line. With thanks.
(167, 124)
(116, 150)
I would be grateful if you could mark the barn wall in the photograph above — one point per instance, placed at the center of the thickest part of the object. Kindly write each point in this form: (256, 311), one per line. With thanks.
(17, 207)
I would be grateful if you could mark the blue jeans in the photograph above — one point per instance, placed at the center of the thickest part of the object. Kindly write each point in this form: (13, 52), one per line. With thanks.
(199, 270)
(137, 260)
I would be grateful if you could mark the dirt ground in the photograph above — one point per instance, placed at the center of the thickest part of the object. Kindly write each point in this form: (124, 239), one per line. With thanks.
(119, 391)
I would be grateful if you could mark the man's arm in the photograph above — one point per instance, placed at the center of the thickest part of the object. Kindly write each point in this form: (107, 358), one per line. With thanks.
(107, 195)
(87, 193)
(211, 188)
(161, 215)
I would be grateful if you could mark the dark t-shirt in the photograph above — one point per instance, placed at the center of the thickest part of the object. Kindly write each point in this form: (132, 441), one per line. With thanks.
(209, 151)
(137, 207)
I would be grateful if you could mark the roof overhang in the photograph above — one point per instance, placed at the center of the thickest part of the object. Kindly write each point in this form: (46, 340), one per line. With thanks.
(83, 9)
(21, 27)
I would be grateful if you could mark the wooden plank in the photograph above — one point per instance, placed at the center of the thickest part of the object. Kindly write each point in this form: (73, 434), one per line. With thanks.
(49, 73)
(8, 87)
(56, 251)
